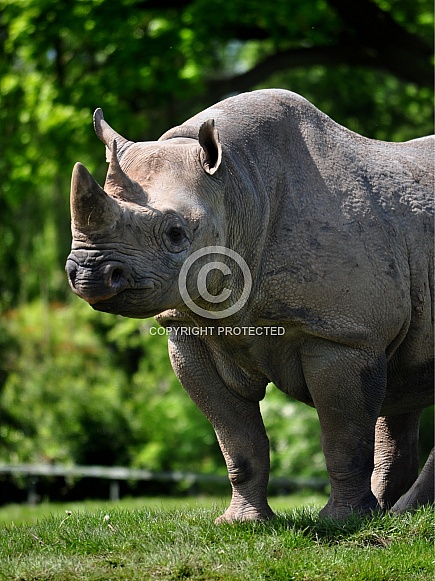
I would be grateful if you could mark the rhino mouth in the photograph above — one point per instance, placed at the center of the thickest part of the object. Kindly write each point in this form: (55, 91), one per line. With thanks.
(127, 303)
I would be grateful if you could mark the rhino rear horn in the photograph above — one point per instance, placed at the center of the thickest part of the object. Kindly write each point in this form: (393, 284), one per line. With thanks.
(91, 208)
(118, 184)
(212, 151)
(108, 135)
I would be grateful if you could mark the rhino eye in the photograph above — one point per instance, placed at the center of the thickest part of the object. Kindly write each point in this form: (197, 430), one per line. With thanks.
(175, 239)
(176, 235)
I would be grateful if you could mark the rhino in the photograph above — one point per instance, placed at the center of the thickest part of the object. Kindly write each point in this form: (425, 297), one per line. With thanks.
(277, 246)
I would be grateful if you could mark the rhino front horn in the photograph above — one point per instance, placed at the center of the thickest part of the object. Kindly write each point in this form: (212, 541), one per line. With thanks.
(91, 208)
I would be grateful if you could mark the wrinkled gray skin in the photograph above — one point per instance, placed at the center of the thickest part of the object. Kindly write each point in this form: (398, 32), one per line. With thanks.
(338, 234)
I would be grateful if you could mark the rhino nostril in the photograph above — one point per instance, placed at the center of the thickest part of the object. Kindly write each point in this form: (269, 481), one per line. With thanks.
(117, 277)
(72, 275)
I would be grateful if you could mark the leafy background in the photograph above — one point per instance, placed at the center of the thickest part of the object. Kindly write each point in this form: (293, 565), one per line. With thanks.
(83, 387)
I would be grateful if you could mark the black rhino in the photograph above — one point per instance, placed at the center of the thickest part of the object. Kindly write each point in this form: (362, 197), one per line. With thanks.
(335, 235)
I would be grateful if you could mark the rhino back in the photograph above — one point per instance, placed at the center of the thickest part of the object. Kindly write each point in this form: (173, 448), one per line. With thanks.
(340, 226)
(273, 132)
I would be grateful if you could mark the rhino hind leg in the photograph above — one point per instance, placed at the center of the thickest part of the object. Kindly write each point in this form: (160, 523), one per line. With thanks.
(347, 386)
(422, 491)
(396, 457)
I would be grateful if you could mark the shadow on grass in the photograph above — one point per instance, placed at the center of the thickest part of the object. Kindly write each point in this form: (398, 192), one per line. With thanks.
(376, 530)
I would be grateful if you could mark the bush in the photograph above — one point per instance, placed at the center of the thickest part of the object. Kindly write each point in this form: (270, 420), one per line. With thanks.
(87, 388)
(81, 387)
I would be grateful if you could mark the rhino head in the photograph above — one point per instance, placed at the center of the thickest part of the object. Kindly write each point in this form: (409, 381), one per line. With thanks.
(161, 202)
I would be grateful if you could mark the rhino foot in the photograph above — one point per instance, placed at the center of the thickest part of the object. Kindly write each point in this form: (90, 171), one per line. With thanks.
(245, 514)
(368, 506)
(422, 491)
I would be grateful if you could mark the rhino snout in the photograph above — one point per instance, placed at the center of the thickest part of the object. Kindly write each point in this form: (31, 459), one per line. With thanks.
(97, 284)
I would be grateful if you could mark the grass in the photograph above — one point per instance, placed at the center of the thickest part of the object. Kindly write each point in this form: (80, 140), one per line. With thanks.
(24, 513)
(166, 540)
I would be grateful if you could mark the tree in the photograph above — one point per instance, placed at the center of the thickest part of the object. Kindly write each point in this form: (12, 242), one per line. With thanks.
(150, 64)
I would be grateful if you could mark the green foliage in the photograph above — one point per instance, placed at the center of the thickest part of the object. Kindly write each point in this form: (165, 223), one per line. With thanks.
(151, 65)
(14, 514)
(82, 387)
(294, 433)
(183, 543)
(88, 388)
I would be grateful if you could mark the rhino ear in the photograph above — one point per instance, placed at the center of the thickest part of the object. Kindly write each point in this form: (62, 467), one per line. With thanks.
(211, 148)
(109, 135)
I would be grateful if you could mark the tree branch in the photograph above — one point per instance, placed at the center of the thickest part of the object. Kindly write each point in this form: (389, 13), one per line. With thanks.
(370, 37)
(390, 46)
(287, 59)
(345, 53)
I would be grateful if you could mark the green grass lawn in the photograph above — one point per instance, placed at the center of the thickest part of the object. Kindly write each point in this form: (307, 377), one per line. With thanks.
(143, 539)
(23, 513)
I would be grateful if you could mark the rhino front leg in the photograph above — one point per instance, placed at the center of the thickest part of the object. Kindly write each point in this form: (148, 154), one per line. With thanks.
(396, 457)
(238, 426)
(347, 386)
